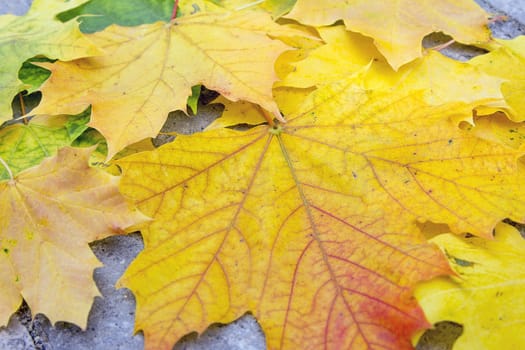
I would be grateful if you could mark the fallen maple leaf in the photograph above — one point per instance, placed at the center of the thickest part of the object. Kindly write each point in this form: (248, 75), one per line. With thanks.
(37, 33)
(92, 138)
(486, 296)
(236, 113)
(324, 64)
(235, 58)
(498, 128)
(311, 225)
(24, 146)
(276, 7)
(507, 60)
(441, 78)
(245, 113)
(398, 26)
(49, 215)
(95, 15)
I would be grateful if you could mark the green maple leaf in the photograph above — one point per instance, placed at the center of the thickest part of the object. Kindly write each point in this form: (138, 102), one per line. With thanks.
(96, 15)
(23, 146)
(37, 33)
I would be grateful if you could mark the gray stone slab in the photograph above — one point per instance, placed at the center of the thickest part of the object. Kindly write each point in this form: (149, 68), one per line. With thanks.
(15, 7)
(15, 336)
(514, 10)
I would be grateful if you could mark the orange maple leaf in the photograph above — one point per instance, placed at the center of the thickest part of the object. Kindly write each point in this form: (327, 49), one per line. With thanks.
(49, 215)
(312, 225)
(149, 70)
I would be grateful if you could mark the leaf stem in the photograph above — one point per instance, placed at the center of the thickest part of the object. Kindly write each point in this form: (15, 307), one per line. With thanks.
(22, 107)
(9, 172)
(175, 9)
(443, 46)
(257, 2)
(266, 115)
(498, 18)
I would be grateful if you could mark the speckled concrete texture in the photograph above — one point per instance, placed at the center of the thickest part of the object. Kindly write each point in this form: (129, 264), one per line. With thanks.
(514, 10)
(15, 7)
(15, 336)
(111, 320)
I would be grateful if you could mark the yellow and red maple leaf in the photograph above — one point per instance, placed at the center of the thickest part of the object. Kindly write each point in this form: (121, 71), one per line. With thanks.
(149, 70)
(311, 225)
(49, 215)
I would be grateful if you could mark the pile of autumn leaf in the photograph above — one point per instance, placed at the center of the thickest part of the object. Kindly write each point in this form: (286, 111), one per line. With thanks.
(372, 166)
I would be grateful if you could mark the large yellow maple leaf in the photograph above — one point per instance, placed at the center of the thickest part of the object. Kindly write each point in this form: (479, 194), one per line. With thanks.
(311, 225)
(149, 70)
(398, 26)
(486, 295)
(49, 215)
(37, 33)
